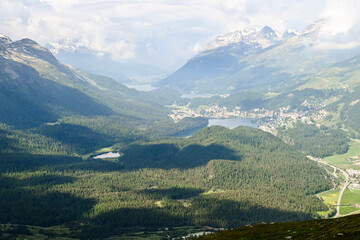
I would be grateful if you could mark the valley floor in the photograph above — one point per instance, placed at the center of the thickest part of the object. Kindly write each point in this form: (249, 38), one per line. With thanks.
(345, 198)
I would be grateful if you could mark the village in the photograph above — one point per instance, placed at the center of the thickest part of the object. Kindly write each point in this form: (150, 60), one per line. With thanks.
(268, 120)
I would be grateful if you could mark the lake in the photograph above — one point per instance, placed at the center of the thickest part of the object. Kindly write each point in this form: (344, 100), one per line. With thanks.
(232, 122)
(107, 155)
(225, 122)
(141, 87)
(196, 95)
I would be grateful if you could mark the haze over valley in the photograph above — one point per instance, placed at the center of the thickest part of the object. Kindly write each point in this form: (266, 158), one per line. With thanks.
(159, 120)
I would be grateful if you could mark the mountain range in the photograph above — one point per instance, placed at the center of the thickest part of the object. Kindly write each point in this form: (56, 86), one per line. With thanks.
(37, 88)
(55, 117)
(75, 53)
(257, 58)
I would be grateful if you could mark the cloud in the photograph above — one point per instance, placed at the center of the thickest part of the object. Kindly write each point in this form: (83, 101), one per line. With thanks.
(342, 28)
(167, 33)
(338, 46)
(342, 15)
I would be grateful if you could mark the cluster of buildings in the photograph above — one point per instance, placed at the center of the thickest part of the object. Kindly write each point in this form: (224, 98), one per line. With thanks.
(270, 120)
(353, 173)
(211, 112)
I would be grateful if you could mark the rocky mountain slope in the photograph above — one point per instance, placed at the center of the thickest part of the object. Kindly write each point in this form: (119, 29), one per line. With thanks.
(257, 59)
(36, 88)
(95, 61)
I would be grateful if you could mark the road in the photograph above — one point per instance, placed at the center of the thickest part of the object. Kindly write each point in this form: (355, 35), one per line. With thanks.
(347, 182)
(342, 191)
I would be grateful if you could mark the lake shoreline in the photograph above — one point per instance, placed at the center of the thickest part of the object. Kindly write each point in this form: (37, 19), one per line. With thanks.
(230, 123)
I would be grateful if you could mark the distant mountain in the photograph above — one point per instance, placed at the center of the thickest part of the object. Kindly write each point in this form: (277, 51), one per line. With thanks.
(344, 74)
(255, 36)
(36, 88)
(75, 53)
(209, 70)
(256, 58)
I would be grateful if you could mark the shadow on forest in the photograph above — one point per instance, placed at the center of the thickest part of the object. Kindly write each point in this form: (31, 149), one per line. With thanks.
(228, 213)
(96, 165)
(27, 110)
(48, 180)
(172, 193)
(17, 162)
(81, 139)
(164, 156)
(12, 162)
(203, 212)
(34, 206)
(7, 143)
(168, 156)
(125, 220)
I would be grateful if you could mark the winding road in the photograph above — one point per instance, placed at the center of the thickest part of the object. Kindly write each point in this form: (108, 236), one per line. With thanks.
(347, 182)
(342, 191)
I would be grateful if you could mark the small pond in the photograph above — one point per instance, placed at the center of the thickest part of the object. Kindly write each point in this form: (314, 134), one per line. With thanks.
(107, 155)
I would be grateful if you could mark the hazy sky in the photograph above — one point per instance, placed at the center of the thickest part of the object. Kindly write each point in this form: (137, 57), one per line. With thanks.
(167, 33)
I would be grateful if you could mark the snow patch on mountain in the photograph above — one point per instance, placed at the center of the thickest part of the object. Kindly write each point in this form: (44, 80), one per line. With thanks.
(4, 39)
(69, 45)
(264, 36)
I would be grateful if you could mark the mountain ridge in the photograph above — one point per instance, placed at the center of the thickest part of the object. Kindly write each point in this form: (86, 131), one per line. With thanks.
(96, 61)
(264, 36)
(27, 68)
(238, 63)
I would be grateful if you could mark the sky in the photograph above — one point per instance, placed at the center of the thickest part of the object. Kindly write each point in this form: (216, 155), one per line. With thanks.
(168, 33)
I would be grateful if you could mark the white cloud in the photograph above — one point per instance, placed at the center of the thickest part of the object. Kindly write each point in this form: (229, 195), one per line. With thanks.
(342, 15)
(338, 46)
(167, 33)
(343, 25)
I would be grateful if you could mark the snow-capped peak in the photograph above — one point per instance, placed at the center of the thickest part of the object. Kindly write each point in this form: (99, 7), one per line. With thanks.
(310, 35)
(264, 36)
(70, 45)
(287, 34)
(316, 26)
(4, 38)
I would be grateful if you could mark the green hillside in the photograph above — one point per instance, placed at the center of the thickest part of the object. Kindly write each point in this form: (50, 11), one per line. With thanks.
(80, 111)
(339, 228)
(218, 177)
(36, 88)
(341, 75)
(53, 118)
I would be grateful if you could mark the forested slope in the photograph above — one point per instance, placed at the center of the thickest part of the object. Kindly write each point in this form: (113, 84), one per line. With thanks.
(45, 102)
(218, 177)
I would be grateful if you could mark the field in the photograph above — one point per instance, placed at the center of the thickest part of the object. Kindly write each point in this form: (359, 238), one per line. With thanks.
(350, 197)
(333, 78)
(330, 198)
(342, 161)
(321, 82)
